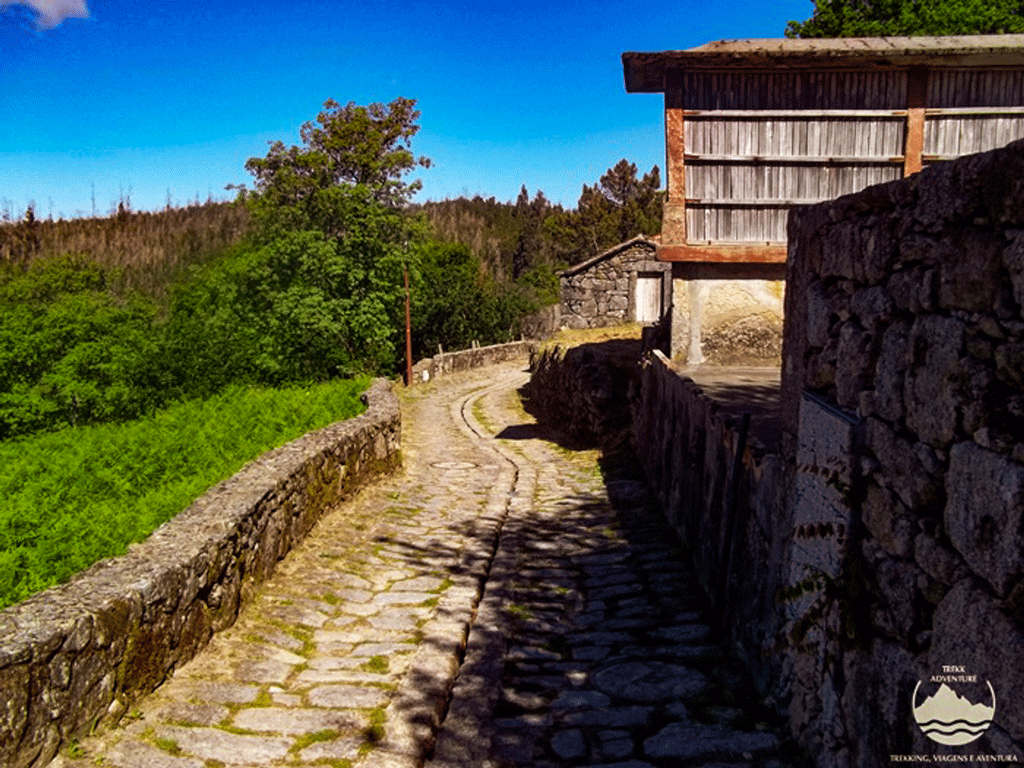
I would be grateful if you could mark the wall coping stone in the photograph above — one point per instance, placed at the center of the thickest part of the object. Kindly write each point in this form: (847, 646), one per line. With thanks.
(445, 363)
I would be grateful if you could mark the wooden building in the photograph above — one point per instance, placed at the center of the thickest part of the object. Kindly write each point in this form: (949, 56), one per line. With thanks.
(755, 127)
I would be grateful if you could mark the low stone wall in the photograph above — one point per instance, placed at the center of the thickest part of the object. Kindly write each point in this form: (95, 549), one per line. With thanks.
(451, 362)
(585, 390)
(81, 652)
(904, 320)
(727, 503)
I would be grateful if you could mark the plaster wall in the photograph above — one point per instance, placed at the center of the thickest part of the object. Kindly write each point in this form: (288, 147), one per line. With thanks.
(727, 313)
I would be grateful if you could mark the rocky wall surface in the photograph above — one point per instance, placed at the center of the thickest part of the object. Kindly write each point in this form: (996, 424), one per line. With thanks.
(904, 312)
(445, 363)
(80, 653)
(585, 390)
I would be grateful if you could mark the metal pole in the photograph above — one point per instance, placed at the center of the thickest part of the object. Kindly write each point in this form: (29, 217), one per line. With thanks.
(408, 330)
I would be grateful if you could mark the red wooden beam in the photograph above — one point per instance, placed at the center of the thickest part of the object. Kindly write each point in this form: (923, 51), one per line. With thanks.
(759, 254)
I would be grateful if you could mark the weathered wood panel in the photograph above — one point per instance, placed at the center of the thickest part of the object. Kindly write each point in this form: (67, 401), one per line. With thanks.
(744, 171)
(975, 88)
(756, 143)
(954, 135)
(877, 89)
(648, 297)
(830, 135)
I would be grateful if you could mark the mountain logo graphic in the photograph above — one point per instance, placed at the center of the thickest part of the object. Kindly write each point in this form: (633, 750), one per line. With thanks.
(949, 718)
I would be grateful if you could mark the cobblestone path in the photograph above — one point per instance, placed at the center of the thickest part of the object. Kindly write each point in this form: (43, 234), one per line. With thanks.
(589, 644)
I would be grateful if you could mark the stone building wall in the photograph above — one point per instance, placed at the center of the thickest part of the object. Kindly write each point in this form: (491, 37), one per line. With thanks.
(904, 321)
(602, 291)
(81, 652)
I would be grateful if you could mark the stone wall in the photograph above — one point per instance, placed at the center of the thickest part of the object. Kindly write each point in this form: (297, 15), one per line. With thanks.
(445, 363)
(585, 390)
(904, 319)
(602, 291)
(600, 395)
(81, 652)
(727, 502)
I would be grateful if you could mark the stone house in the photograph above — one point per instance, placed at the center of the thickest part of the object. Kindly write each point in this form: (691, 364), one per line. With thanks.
(624, 284)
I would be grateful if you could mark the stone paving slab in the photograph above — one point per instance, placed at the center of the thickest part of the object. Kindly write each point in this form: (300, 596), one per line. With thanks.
(497, 603)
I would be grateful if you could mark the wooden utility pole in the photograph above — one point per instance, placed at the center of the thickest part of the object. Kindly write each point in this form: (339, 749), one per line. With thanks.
(408, 330)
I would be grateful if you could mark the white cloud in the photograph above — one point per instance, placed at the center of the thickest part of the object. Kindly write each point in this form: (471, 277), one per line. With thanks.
(53, 12)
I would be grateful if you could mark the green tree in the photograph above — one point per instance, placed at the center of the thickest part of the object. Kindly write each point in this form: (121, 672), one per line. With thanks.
(368, 147)
(322, 291)
(620, 206)
(455, 303)
(876, 18)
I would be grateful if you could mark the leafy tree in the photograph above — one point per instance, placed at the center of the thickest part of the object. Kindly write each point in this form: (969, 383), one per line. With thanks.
(350, 146)
(71, 351)
(530, 247)
(455, 303)
(325, 288)
(874, 18)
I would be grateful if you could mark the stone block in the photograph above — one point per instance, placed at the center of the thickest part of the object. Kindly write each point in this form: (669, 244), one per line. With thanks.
(890, 371)
(939, 562)
(1013, 260)
(879, 249)
(902, 469)
(913, 290)
(930, 393)
(888, 521)
(854, 364)
(1001, 184)
(969, 273)
(971, 631)
(1010, 363)
(985, 513)
(819, 315)
(840, 250)
(873, 307)
(896, 582)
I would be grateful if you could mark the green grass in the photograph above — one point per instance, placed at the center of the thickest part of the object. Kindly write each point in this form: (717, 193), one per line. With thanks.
(71, 498)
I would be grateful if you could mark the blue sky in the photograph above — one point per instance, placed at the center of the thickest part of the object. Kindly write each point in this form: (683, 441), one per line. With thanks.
(167, 99)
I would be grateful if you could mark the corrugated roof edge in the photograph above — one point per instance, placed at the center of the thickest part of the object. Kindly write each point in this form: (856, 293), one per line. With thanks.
(643, 71)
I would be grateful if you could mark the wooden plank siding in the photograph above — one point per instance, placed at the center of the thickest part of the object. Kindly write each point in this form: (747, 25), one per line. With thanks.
(756, 143)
